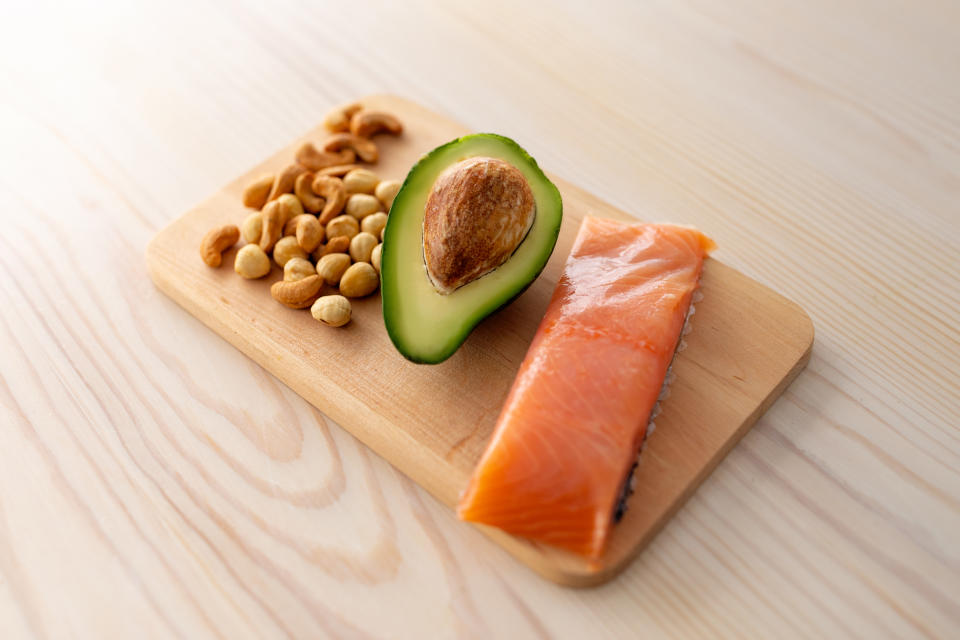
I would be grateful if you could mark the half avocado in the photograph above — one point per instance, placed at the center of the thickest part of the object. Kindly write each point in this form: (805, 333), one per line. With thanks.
(426, 321)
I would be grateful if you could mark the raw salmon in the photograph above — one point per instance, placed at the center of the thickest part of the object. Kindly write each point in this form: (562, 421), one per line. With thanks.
(575, 418)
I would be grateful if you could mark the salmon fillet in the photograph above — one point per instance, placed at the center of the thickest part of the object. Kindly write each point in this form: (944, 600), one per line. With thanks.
(575, 418)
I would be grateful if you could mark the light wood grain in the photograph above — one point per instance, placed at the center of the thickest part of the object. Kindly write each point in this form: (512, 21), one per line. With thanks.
(819, 142)
(433, 422)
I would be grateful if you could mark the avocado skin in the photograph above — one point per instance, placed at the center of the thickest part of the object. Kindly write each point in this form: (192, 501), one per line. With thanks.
(548, 237)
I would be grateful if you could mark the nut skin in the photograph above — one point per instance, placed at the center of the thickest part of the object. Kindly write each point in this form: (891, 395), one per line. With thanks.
(298, 294)
(290, 206)
(285, 180)
(297, 269)
(251, 262)
(337, 244)
(374, 223)
(361, 246)
(216, 241)
(303, 188)
(478, 212)
(343, 226)
(332, 189)
(332, 266)
(359, 280)
(338, 118)
(361, 181)
(272, 227)
(375, 256)
(314, 160)
(386, 191)
(257, 192)
(286, 249)
(361, 205)
(331, 310)
(365, 149)
(369, 123)
(251, 227)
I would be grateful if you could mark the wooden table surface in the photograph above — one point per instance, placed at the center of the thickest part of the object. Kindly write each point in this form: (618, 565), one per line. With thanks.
(818, 142)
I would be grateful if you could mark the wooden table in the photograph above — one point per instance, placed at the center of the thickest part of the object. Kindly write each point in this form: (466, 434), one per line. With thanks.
(818, 142)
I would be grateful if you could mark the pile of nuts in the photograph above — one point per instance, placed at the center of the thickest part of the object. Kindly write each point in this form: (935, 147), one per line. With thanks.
(321, 219)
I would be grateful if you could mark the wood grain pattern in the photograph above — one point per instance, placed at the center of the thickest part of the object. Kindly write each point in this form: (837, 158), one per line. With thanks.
(818, 141)
(433, 422)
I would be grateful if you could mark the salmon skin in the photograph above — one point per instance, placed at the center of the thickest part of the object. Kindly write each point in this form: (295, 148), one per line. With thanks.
(574, 420)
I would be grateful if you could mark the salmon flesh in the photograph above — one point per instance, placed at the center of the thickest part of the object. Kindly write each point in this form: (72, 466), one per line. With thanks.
(576, 416)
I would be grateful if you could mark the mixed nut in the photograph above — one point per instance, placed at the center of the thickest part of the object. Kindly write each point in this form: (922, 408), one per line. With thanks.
(320, 219)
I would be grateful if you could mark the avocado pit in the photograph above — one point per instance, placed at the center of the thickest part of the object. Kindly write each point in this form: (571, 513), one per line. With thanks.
(478, 212)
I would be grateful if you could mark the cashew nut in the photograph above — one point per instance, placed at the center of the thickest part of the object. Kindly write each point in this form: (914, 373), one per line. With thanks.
(312, 159)
(304, 190)
(297, 294)
(337, 244)
(338, 170)
(284, 181)
(334, 192)
(367, 123)
(366, 150)
(216, 242)
(290, 226)
(272, 227)
(338, 119)
(256, 193)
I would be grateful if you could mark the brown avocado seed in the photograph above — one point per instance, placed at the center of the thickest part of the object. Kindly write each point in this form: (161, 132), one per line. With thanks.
(478, 212)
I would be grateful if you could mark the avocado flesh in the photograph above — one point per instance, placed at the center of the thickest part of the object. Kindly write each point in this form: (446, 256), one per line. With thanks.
(424, 325)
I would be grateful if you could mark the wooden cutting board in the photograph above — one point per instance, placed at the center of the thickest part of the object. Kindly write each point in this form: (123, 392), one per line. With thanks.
(433, 421)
